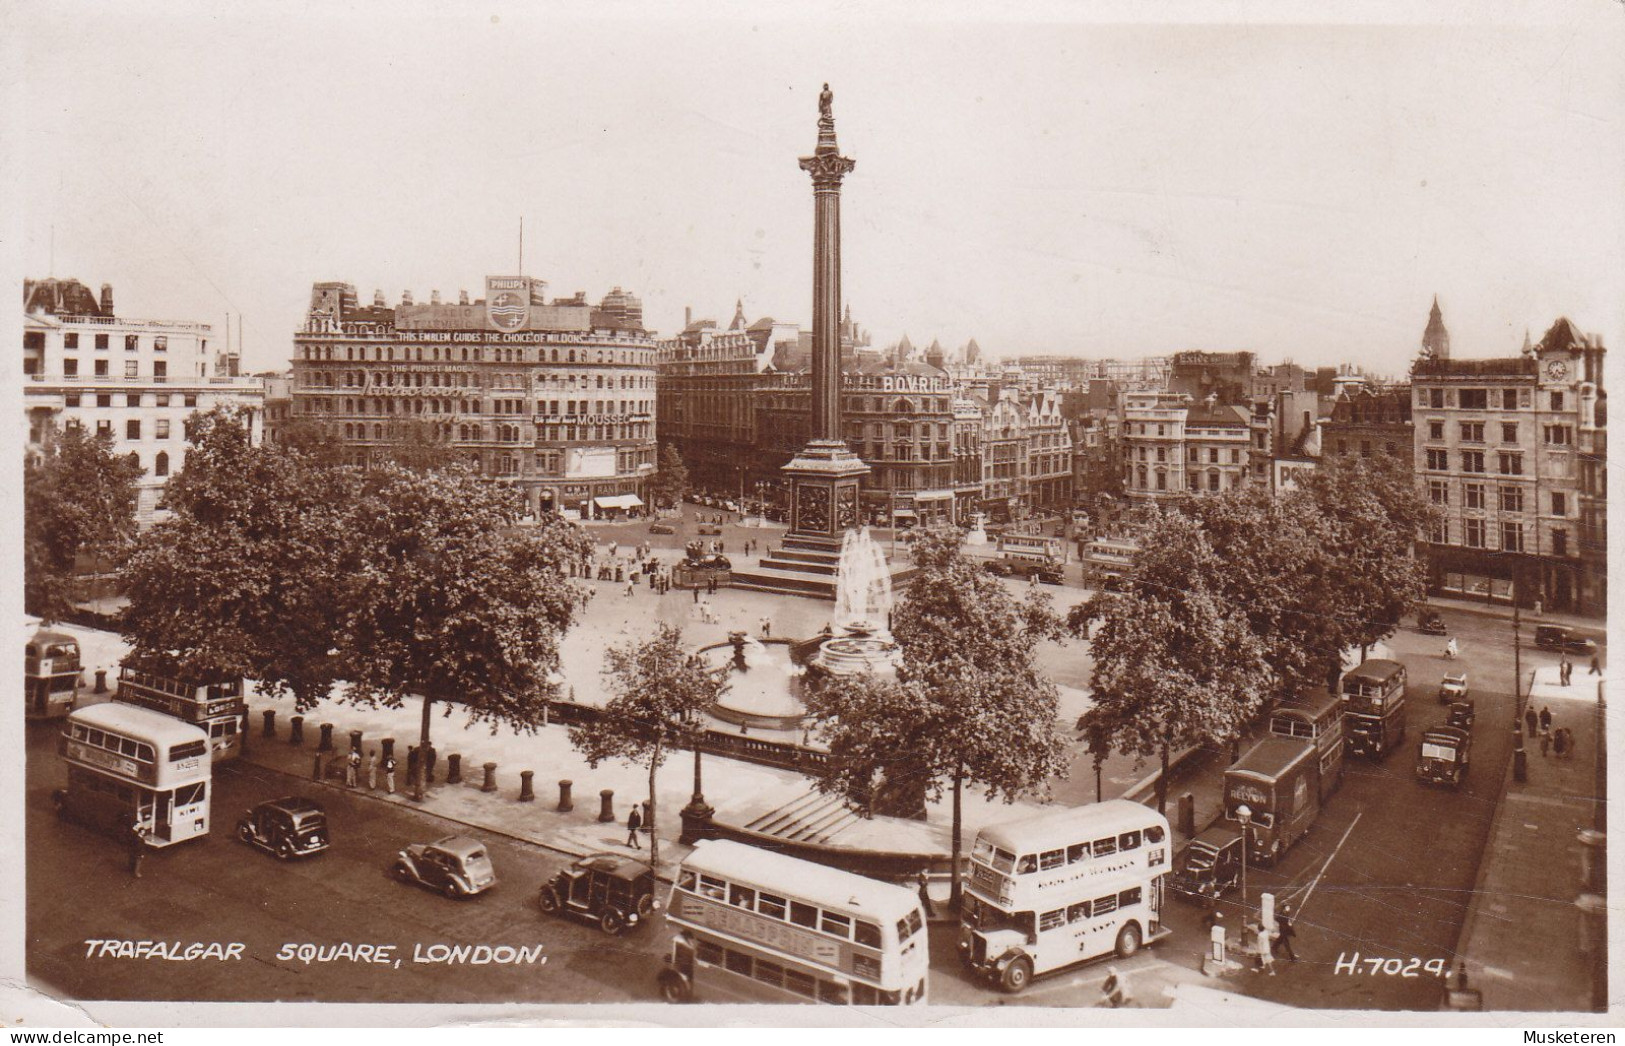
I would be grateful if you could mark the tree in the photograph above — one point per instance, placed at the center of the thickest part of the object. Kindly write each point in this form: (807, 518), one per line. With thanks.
(661, 689)
(452, 600)
(670, 484)
(312, 438)
(247, 577)
(1173, 665)
(969, 706)
(79, 499)
(416, 444)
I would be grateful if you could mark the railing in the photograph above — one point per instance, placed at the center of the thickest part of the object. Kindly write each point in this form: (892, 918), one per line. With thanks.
(779, 754)
(115, 321)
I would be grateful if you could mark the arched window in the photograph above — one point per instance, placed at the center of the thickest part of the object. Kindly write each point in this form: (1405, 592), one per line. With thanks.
(377, 432)
(160, 464)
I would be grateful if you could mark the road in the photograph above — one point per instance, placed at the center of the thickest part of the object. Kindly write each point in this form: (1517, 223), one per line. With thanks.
(217, 889)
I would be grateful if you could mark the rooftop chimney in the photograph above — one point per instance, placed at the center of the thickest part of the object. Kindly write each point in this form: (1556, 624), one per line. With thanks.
(434, 297)
(406, 297)
(107, 299)
(688, 315)
(462, 297)
(378, 300)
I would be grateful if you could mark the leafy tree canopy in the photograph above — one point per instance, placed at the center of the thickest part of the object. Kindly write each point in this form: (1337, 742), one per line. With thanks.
(79, 499)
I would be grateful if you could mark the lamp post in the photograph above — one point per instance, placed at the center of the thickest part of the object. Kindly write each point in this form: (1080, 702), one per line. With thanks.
(1244, 814)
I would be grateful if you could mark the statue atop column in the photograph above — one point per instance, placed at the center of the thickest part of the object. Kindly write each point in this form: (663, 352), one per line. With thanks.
(825, 97)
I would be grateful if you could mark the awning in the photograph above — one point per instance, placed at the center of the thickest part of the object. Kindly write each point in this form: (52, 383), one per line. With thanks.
(934, 495)
(905, 513)
(618, 501)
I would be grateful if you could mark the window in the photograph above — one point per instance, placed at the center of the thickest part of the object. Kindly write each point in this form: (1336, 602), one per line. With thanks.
(132, 429)
(104, 399)
(708, 952)
(70, 341)
(769, 972)
(1557, 401)
(1438, 460)
(1438, 492)
(160, 465)
(1052, 920)
(1162, 453)
(1560, 542)
(1509, 399)
(1511, 499)
(1051, 859)
(1474, 537)
(1436, 399)
(742, 896)
(1560, 504)
(1472, 461)
(1105, 905)
(101, 368)
(1128, 841)
(804, 915)
(1235, 456)
(1472, 432)
(1511, 537)
(1104, 847)
(1213, 455)
(101, 341)
(737, 962)
(1077, 913)
(1365, 448)
(800, 983)
(160, 370)
(70, 399)
(1509, 432)
(1439, 532)
(162, 427)
(771, 906)
(133, 399)
(1473, 495)
(1435, 430)
(1077, 852)
(1559, 435)
(1475, 399)
(132, 368)
(162, 398)
(866, 934)
(132, 342)
(70, 368)
(1511, 464)
(190, 399)
(160, 343)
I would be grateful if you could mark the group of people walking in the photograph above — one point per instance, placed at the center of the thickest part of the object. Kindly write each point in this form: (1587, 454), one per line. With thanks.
(1559, 741)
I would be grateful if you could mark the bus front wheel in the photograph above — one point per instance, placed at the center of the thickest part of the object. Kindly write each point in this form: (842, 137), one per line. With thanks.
(1017, 975)
(1128, 941)
(674, 987)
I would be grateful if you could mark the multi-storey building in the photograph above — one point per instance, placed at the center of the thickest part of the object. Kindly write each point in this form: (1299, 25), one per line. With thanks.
(1370, 420)
(135, 380)
(278, 403)
(557, 399)
(1227, 376)
(1049, 453)
(1172, 447)
(1501, 448)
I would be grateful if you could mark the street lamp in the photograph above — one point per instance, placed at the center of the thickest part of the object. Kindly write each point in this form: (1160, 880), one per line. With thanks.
(1244, 814)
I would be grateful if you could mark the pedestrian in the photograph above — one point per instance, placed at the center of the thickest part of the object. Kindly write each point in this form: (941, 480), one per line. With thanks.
(634, 824)
(352, 766)
(1596, 666)
(1529, 721)
(1266, 951)
(925, 895)
(1560, 742)
(711, 585)
(1545, 742)
(1450, 649)
(630, 585)
(389, 774)
(1456, 980)
(767, 627)
(372, 770)
(1545, 719)
(1566, 670)
(138, 847)
(1284, 931)
(696, 591)
(1539, 606)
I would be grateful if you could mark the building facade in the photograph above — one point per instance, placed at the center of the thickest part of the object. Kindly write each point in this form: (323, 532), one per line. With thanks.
(1501, 449)
(1172, 447)
(1367, 421)
(136, 380)
(557, 399)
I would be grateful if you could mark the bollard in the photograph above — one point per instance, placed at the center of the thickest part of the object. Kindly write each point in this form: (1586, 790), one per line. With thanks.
(269, 729)
(296, 730)
(316, 768)
(1593, 922)
(565, 806)
(526, 793)
(1187, 815)
(606, 806)
(648, 822)
(388, 746)
(1520, 765)
(429, 756)
(326, 744)
(355, 741)
(490, 784)
(1593, 858)
(101, 680)
(454, 769)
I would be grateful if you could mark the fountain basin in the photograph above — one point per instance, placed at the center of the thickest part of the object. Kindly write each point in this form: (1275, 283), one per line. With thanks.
(768, 694)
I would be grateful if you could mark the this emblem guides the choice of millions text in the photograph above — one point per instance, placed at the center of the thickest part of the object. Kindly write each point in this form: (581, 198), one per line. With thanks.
(507, 302)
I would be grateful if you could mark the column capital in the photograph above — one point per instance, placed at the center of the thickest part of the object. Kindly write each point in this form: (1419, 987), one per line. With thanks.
(827, 169)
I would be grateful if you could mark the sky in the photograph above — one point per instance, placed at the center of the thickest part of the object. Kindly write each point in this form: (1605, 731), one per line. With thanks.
(1069, 179)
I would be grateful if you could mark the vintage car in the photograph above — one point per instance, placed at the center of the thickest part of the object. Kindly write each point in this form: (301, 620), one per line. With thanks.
(1453, 688)
(1443, 754)
(1209, 864)
(292, 826)
(457, 866)
(1000, 567)
(1561, 637)
(614, 891)
(662, 528)
(1430, 623)
(1461, 714)
(710, 529)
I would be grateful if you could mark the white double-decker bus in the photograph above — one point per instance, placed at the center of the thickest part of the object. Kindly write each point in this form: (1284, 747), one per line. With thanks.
(216, 707)
(1063, 888)
(130, 766)
(756, 926)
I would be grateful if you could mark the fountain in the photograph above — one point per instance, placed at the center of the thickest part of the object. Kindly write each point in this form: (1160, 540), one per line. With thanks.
(765, 683)
(978, 529)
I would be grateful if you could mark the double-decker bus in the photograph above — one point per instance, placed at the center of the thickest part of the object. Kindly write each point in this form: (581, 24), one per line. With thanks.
(1374, 707)
(217, 708)
(1063, 888)
(129, 766)
(1316, 717)
(51, 668)
(757, 926)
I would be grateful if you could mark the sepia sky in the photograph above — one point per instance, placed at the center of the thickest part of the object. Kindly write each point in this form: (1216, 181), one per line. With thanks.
(1038, 182)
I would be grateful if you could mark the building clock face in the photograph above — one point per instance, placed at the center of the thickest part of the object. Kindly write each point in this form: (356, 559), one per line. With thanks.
(1557, 370)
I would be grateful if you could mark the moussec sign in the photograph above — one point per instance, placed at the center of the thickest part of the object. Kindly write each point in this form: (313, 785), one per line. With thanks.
(507, 302)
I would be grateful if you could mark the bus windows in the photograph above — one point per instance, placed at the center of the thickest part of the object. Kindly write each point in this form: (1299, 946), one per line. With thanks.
(832, 993)
(1077, 913)
(1128, 841)
(1128, 897)
(837, 925)
(801, 983)
(189, 794)
(1051, 859)
(1028, 865)
(709, 952)
(769, 973)
(187, 750)
(863, 995)
(1077, 852)
(868, 934)
(685, 881)
(804, 915)
(715, 889)
(742, 896)
(1105, 905)
(771, 906)
(1003, 861)
(1052, 920)
(1105, 847)
(737, 962)
(908, 927)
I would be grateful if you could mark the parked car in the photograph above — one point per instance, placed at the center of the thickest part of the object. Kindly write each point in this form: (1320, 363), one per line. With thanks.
(710, 529)
(1461, 715)
(1561, 637)
(292, 826)
(614, 891)
(1453, 688)
(1000, 567)
(457, 866)
(1048, 573)
(1443, 754)
(1430, 623)
(662, 528)
(1209, 864)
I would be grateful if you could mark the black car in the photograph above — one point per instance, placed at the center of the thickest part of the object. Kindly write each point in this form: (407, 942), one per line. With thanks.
(1430, 623)
(1209, 864)
(1000, 568)
(614, 891)
(1561, 637)
(1461, 715)
(292, 826)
